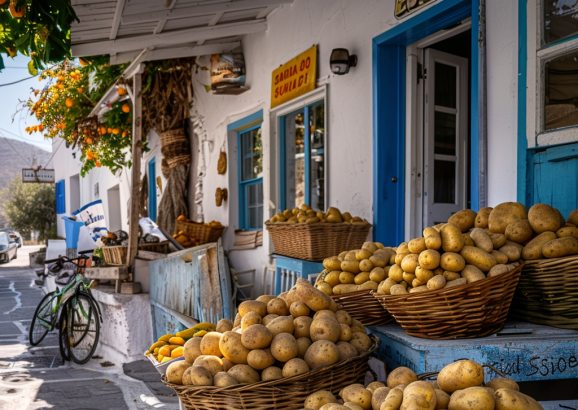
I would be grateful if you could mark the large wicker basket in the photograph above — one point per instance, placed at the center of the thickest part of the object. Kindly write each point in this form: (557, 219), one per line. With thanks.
(473, 310)
(548, 293)
(117, 255)
(364, 307)
(288, 393)
(202, 233)
(316, 241)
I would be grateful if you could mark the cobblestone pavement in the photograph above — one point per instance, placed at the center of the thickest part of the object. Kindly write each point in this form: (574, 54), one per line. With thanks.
(37, 378)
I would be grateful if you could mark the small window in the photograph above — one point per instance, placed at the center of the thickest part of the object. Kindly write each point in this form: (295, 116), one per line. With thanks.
(251, 179)
(560, 20)
(561, 92)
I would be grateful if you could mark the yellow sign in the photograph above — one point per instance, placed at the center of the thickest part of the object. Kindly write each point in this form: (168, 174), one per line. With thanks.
(294, 78)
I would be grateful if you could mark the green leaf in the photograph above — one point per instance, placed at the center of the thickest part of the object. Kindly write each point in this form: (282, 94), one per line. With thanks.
(207, 88)
(31, 69)
(22, 40)
(204, 68)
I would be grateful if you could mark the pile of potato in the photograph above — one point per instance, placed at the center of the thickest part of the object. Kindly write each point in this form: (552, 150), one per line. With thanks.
(308, 215)
(470, 247)
(272, 338)
(459, 386)
(171, 346)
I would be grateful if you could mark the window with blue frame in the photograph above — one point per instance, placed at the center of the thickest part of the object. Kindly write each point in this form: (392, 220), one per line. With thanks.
(303, 157)
(60, 202)
(250, 178)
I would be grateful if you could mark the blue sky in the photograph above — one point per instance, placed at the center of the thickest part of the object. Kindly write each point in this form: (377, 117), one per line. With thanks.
(16, 69)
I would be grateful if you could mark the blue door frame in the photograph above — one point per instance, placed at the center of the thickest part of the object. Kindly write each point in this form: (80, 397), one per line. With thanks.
(389, 88)
(152, 190)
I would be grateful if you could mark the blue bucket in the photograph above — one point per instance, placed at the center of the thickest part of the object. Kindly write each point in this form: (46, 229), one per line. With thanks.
(72, 229)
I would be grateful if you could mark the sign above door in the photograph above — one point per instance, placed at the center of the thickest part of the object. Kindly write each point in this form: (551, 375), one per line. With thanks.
(40, 175)
(294, 78)
(405, 7)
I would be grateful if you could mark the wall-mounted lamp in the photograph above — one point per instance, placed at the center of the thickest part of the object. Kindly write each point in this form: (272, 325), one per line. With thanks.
(341, 61)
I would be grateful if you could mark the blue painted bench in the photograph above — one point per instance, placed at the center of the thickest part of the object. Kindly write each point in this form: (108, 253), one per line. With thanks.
(288, 270)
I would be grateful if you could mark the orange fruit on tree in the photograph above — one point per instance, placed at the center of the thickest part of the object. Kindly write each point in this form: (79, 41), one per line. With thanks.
(98, 164)
(109, 130)
(121, 91)
(89, 140)
(79, 90)
(41, 127)
(60, 78)
(124, 134)
(126, 108)
(2, 2)
(69, 102)
(12, 52)
(82, 62)
(61, 86)
(115, 131)
(17, 13)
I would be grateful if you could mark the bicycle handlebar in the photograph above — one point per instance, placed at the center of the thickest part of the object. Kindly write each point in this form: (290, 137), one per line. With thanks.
(67, 259)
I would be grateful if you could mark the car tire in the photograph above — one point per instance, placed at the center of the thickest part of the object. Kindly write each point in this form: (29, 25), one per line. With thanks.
(15, 255)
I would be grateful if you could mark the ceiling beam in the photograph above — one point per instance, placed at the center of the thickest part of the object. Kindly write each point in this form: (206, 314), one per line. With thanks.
(116, 19)
(201, 10)
(168, 39)
(179, 52)
(161, 25)
(265, 12)
(213, 22)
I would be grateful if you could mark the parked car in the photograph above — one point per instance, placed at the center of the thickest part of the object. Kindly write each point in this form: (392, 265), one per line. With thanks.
(14, 235)
(8, 247)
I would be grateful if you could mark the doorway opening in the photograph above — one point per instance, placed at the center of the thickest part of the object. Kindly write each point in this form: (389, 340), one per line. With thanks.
(114, 215)
(75, 193)
(439, 133)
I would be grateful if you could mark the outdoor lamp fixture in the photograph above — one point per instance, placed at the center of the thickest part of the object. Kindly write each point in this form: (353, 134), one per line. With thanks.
(341, 61)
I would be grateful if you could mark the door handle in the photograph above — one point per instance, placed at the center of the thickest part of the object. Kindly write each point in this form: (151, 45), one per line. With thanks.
(394, 180)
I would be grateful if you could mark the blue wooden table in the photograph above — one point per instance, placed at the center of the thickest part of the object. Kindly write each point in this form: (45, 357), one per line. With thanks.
(288, 270)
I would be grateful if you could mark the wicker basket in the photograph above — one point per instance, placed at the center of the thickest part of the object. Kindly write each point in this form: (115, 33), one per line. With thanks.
(117, 255)
(316, 241)
(473, 310)
(288, 393)
(548, 293)
(202, 233)
(364, 307)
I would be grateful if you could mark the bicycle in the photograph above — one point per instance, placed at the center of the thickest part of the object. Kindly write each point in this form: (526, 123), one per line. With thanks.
(76, 313)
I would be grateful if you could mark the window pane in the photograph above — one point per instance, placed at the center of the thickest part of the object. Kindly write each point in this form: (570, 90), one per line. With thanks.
(251, 155)
(317, 146)
(560, 20)
(561, 92)
(444, 182)
(445, 133)
(254, 197)
(294, 160)
(445, 85)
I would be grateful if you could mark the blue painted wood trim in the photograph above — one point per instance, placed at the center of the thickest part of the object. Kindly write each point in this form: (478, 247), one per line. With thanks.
(240, 127)
(153, 190)
(524, 194)
(475, 104)
(246, 122)
(307, 156)
(282, 164)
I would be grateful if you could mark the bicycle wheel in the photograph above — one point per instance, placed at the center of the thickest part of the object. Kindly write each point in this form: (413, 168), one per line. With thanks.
(83, 328)
(43, 320)
(62, 336)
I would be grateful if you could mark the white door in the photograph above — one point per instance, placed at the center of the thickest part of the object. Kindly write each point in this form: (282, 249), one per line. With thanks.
(445, 135)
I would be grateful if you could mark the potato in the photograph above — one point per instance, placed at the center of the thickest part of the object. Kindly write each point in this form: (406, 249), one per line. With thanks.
(519, 231)
(533, 249)
(176, 370)
(567, 231)
(419, 395)
(482, 218)
(325, 328)
(573, 218)
(400, 375)
(378, 274)
(346, 334)
(417, 289)
(227, 364)
(284, 347)
(350, 256)
(370, 246)
(192, 349)
(271, 373)
(316, 400)
(325, 313)
(455, 282)
(281, 324)
(393, 400)
(504, 214)
(260, 359)
(268, 319)
(468, 239)
(437, 282)
(409, 263)
(357, 394)
(460, 375)
(438, 271)
(349, 405)
(223, 379)
(343, 317)
(197, 376)
(472, 398)
(366, 265)
(449, 276)
(244, 374)
(303, 344)
(232, 348)
(399, 257)
(256, 337)
(277, 307)
(417, 245)
(432, 238)
(346, 350)
(346, 278)
(498, 240)
(482, 240)
(341, 289)
(295, 367)
(301, 326)
(560, 247)
(479, 258)
(312, 297)
(369, 285)
(416, 282)
(452, 239)
(299, 308)
(398, 290)
(361, 278)
(442, 398)
(503, 383)
(452, 262)
(500, 256)
(213, 364)
(210, 344)
(253, 306)
(357, 326)
(542, 218)
(251, 318)
(332, 264)
(265, 298)
(385, 286)
(507, 399)
(396, 273)
(237, 321)
(463, 219)
(321, 353)
(512, 252)
(472, 274)
(373, 386)
(224, 325)
(380, 260)
(498, 270)
(362, 254)
(378, 395)
(350, 266)
(429, 259)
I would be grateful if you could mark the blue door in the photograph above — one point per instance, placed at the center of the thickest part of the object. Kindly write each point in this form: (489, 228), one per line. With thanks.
(152, 190)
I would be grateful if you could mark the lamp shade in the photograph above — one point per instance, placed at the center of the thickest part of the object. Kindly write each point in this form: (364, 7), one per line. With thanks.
(340, 61)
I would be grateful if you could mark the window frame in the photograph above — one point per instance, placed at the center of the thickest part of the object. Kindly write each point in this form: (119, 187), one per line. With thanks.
(152, 188)
(243, 204)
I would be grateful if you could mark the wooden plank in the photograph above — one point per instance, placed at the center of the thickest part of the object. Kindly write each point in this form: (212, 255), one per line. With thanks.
(150, 256)
(130, 288)
(90, 3)
(229, 307)
(116, 19)
(189, 22)
(106, 273)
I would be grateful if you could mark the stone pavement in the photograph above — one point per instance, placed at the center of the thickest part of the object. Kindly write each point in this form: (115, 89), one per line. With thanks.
(37, 377)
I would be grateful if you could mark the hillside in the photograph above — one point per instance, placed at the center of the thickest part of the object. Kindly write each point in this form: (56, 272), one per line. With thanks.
(11, 163)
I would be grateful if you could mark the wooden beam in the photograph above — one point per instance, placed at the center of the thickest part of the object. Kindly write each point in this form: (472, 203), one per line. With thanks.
(116, 19)
(180, 52)
(213, 22)
(162, 23)
(201, 10)
(265, 12)
(168, 39)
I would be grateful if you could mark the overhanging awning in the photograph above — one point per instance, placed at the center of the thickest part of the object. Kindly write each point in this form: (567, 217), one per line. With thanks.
(167, 28)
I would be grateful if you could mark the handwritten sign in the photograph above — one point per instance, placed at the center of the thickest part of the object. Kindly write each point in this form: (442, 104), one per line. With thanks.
(294, 78)
(45, 176)
(406, 7)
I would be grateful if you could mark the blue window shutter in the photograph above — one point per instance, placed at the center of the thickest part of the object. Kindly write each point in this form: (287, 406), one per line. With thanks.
(60, 202)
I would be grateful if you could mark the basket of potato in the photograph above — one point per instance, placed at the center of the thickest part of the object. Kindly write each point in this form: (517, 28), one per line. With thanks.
(304, 233)
(459, 386)
(350, 277)
(276, 352)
